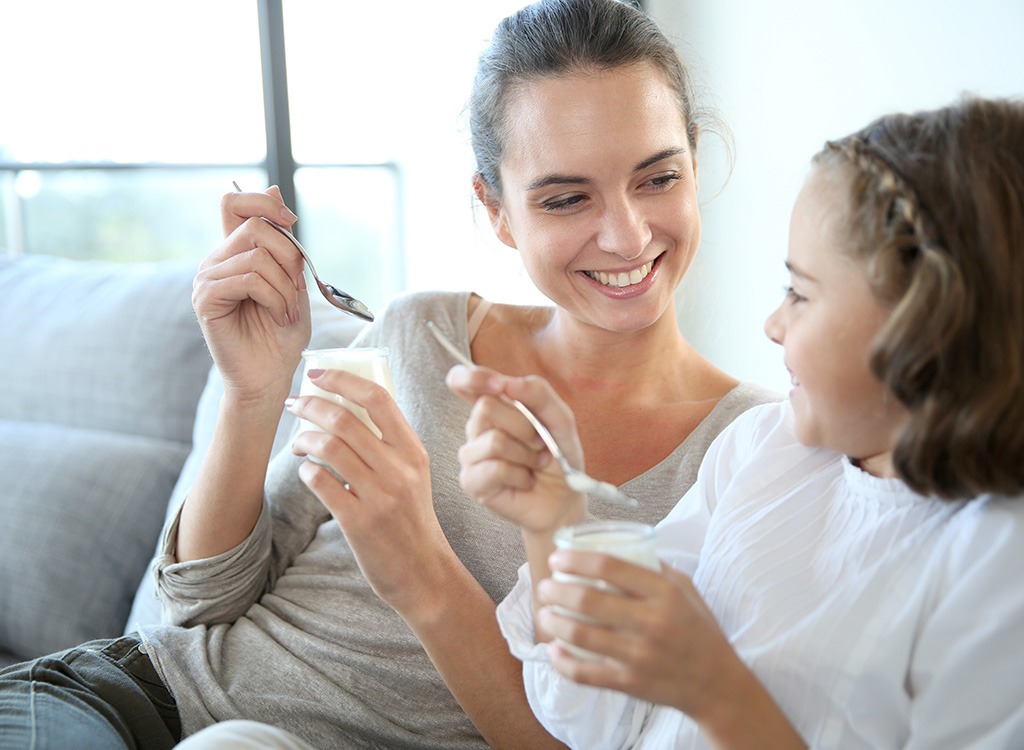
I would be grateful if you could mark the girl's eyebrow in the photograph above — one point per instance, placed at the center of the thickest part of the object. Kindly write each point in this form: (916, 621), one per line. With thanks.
(795, 270)
(567, 179)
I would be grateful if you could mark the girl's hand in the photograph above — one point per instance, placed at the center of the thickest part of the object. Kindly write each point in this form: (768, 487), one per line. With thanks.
(659, 642)
(384, 504)
(250, 297)
(505, 465)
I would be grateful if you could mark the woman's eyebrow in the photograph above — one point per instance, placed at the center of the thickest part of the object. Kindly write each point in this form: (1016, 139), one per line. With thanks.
(557, 179)
(568, 179)
(664, 154)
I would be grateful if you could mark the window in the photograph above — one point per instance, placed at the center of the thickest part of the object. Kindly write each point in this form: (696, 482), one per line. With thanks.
(125, 122)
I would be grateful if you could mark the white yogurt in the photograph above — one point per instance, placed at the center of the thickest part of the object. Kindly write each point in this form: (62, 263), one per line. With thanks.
(626, 540)
(367, 362)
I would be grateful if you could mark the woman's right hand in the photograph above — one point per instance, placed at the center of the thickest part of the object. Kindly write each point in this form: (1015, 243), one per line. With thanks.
(251, 300)
(505, 466)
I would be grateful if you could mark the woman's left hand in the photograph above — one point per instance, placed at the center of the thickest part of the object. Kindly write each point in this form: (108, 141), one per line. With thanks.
(384, 506)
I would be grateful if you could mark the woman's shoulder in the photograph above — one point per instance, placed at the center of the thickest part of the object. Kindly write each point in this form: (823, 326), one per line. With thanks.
(443, 304)
(407, 314)
(735, 404)
(747, 395)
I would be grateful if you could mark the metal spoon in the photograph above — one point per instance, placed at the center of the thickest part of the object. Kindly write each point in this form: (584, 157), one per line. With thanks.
(576, 479)
(332, 294)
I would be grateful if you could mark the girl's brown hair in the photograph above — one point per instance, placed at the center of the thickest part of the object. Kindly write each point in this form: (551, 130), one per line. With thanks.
(937, 219)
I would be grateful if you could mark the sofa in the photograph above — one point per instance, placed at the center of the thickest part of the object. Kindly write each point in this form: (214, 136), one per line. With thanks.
(108, 399)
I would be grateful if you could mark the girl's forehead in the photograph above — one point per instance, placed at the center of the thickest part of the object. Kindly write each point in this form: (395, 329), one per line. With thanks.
(819, 236)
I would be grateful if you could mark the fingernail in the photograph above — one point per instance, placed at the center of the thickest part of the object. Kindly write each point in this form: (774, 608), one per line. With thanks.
(288, 216)
(300, 282)
(290, 402)
(315, 373)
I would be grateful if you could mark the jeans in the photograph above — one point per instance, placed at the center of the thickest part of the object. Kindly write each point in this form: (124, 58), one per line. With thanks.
(102, 695)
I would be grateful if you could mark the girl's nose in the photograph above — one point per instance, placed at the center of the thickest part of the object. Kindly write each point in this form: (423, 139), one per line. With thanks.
(773, 327)
(624, 230)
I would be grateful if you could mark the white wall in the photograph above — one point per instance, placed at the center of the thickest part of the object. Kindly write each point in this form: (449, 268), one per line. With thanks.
(786, 76)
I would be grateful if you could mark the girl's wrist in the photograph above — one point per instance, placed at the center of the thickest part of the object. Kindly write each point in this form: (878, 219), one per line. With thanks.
(744, 715)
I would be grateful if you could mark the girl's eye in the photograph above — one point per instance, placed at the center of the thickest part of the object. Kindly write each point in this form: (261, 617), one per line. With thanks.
(561, 204)
(792, 295)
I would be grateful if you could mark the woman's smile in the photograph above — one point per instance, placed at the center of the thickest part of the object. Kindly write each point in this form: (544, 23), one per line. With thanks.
(625, 282)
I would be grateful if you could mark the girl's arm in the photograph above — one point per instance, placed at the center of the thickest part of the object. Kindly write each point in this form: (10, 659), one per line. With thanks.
(662, 645)
(505, 466)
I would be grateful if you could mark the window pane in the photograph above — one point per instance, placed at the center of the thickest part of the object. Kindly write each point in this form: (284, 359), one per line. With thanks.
(8, 209)
(368, 82)
(348, 221)
(131, 81)
(123, 215)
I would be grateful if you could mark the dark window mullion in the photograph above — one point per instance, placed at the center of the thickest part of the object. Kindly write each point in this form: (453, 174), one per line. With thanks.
(280, 161)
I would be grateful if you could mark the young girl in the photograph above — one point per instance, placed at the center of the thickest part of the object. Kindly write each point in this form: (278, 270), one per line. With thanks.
(846, 572)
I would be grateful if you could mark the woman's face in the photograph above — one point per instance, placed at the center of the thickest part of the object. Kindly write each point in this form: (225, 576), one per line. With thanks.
(599, 193)
(827, 324)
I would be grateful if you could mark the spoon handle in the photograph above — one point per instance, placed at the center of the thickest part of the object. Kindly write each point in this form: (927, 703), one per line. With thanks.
(342, 300)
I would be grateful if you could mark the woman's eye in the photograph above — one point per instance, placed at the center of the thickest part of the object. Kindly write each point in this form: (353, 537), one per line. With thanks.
(560, 204)
(663, 180)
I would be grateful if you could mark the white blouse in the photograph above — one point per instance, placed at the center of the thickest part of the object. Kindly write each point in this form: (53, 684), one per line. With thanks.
(877, 618)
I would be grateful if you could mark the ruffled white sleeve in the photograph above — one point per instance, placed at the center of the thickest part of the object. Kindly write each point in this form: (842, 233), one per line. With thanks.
(595, 718)
(581, 716)
(967, 673)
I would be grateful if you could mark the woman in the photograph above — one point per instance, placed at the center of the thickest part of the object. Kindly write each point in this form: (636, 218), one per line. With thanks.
(365, 613)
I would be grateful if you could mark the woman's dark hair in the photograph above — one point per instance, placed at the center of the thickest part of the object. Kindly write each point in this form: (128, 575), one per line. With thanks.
(937, 219)
(563, 37)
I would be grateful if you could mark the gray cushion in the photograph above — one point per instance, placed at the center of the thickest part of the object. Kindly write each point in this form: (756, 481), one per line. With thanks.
(101, 345)
(81, 512)
(101, 367)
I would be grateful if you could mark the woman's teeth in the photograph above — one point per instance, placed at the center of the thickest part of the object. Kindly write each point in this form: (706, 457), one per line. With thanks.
(621, 279)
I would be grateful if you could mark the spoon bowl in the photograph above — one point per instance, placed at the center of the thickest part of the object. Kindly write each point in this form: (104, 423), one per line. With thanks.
(338, 298)
(342, 300)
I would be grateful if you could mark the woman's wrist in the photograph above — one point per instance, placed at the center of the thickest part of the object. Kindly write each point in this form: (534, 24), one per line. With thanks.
(425, 602)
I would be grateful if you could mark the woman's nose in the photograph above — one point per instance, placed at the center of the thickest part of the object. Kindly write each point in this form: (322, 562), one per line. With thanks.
(624, 230)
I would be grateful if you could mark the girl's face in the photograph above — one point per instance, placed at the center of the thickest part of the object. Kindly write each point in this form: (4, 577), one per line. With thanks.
(826, 324)
(599, 193)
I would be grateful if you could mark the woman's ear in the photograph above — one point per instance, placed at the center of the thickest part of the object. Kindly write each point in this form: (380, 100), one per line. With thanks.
(693, 155)
(497, 216)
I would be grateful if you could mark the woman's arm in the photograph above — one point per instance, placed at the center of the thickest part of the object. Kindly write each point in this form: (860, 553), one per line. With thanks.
(251, 301)
(385, 509)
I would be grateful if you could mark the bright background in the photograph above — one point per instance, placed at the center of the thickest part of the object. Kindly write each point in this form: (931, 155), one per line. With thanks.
(786, 76)
(383, 85)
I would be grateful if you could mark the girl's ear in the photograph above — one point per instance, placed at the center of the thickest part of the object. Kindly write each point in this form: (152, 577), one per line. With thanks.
(497, 216)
